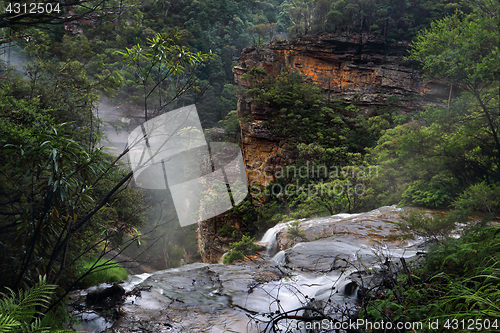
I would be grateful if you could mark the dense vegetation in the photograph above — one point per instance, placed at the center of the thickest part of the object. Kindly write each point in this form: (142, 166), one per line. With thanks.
(391, 20)
(456, 285)
(319, 134)
(441, 156)
(65, 203)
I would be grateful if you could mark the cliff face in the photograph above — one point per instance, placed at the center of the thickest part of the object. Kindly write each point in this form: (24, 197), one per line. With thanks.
(358, 69)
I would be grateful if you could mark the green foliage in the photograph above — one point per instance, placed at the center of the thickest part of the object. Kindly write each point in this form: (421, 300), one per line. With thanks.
(228, 230)
(231, 124)
(64, 181)
(459, 280)
(468, 255)
(429, 165)
(157, 64)
(433, 193)
(462, 48)
(436, 227)
(241, 249)
(21, 118)
(443, 151)
(465, 50)
(347, 191)
(391, 20)
(247, 244)
(56, 185)
(22, 312)
(222, 28)
(302, 112)
(68, 86)
(294, 231)
(55, 182)
(100, 271)
(478, 198)
(232, 256)
(325, 139)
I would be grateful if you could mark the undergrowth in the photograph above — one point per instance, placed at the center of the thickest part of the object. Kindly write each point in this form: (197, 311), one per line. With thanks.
(103, 270)
(433, 227)
(457, 283)
(23, 311)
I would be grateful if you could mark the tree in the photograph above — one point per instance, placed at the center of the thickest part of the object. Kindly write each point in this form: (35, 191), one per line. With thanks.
(60, 12)
(300, 13)
(262, 31)
(464, 49)
(450, 147)
(62, 197)
(164, 67)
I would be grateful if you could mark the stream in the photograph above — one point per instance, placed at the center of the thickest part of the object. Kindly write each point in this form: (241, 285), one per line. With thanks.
(322, 268)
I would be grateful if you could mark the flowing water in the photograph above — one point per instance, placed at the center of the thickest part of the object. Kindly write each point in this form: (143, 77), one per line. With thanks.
(323, 269)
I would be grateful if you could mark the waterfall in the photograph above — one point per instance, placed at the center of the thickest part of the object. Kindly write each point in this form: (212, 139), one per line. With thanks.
(270, 237)
(324, 270)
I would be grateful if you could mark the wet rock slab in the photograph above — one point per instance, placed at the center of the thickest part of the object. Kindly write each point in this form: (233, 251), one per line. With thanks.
(379, 225)
(338, 255)
(194, 298)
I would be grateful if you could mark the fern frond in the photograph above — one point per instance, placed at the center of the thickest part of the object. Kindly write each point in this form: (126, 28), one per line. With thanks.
(8, 302)
(7, 323)
(18, 311)
(27, 301)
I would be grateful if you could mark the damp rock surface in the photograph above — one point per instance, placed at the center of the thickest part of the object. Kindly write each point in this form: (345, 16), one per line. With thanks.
(339, 255)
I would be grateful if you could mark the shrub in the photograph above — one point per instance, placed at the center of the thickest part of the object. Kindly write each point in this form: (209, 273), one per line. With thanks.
(479, 197)
(294, 230)
(435, 227)
(232, 255)
(458, 281)
(240, 249)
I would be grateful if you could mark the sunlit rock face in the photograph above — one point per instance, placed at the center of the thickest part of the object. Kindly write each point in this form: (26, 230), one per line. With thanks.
(357, 69)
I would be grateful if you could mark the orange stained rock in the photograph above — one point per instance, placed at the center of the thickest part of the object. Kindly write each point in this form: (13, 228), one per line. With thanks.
(327, 74)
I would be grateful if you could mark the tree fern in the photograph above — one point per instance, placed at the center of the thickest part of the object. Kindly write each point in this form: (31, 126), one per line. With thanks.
(18, 312)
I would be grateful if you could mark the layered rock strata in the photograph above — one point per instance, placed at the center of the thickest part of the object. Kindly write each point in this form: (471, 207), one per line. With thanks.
(358, 69)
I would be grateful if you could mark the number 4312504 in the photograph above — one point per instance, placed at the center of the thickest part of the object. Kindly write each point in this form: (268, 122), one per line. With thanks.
(32, 8)
(471, 324)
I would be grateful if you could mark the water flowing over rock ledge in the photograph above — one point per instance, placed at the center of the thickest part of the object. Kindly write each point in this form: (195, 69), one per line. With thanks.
(337, 256)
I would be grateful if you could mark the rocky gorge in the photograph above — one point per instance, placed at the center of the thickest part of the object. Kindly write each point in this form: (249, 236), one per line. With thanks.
(312, 270)
(357, 69)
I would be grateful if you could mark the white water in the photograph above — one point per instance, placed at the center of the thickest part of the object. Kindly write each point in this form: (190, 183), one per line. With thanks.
(269, 237)
(218, 298)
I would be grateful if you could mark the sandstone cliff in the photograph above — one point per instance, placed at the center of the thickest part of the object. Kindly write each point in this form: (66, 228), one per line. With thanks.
(358, 69)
